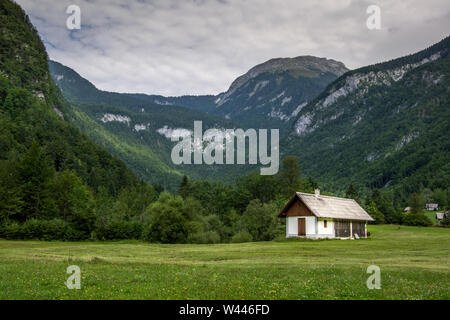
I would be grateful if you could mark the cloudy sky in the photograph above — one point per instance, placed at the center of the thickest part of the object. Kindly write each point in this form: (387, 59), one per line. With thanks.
(175, 47)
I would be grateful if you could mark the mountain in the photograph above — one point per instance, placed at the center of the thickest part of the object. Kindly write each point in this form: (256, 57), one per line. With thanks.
(133, 126)
(269, 95)
(138, 130)
(380, 126)
(385, 125)
(272, 93)
(41, 152)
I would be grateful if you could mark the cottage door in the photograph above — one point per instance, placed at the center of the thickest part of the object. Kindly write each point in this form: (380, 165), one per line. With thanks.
(301, 227)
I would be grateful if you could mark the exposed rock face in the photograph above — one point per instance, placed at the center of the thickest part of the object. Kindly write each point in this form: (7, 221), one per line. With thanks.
(58, 112)
(359, 84)
(108, 117)
(174, 132)
(140, 127)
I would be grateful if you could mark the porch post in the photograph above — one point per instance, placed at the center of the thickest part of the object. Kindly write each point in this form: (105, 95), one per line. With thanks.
(351, 229)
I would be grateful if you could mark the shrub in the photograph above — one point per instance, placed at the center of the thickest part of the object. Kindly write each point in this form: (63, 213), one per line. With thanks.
(445, 221)
(119, 230)
(417, 219)
(46, 230)
(10, 230)
(373, 211)
(394, 218)
(172, 219)
(242, 236)
(260, 220)
(74, 201)
(205, 237)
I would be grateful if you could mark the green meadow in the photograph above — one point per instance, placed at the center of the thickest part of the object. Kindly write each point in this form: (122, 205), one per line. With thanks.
(414, 263)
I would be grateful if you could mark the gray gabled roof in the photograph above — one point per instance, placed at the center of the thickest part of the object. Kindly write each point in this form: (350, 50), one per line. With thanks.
(334, 207)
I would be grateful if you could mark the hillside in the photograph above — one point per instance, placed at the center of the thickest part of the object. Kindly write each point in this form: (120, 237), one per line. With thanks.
(41, 152)
(269, 95)
(279, 89)
(139, 131)
(385, 125)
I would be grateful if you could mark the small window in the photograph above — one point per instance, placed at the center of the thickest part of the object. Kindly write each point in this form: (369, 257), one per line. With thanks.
(324, 223)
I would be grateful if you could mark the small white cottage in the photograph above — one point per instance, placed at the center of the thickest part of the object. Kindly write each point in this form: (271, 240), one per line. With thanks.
(316, 216)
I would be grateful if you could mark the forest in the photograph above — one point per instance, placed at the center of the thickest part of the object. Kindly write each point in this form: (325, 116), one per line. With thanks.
(40, 201)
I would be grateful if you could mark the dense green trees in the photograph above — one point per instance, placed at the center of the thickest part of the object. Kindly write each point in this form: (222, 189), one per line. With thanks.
(172, 219)
(74, 201)
(352, 193)
(374, 212)
(416, 204)
(208, 212)
(380, 205)
(260, 221)
(52, 177)
(38, 201)
(10, 197)
(35, 179)
(290, 176)
(416, 217)
(385, 205)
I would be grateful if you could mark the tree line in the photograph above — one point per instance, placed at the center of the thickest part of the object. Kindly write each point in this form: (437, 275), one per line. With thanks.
(39, 202)
(381, 206)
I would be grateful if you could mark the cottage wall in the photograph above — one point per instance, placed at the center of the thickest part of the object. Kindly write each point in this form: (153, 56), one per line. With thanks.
(292, 226)
(298, 209)
(315, 227)
(328, 231)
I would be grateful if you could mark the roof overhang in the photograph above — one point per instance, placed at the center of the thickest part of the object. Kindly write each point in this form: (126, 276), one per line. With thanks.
(282, 213)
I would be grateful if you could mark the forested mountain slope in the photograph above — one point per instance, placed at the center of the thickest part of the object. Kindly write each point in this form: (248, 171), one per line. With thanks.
(136, 127)
(41, 152)
(385, 125)
(139, 131)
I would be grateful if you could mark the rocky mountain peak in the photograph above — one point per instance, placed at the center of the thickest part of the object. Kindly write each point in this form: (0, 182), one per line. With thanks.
(307, 66)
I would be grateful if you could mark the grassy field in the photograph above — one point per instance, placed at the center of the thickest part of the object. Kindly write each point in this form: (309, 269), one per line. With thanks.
(414, 262)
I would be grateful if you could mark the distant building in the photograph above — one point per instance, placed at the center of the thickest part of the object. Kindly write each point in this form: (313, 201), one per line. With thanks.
(315, 216)
(432, 206)
(442, 215)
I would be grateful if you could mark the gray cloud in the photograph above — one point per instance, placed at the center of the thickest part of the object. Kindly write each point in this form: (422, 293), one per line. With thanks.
(175, 47)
